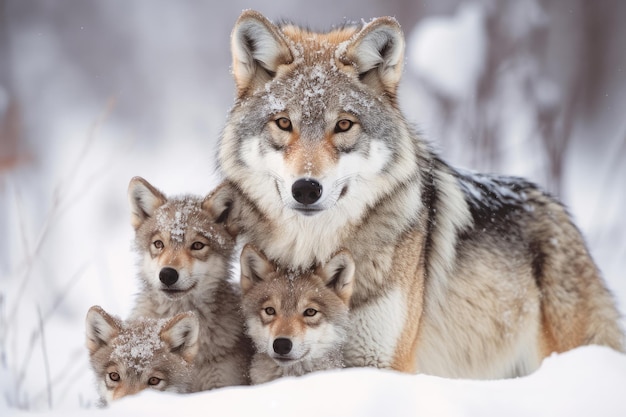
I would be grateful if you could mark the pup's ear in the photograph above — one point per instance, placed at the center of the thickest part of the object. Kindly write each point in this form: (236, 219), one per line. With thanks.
(180, 333)
(377, 51)
(254, 267)
(258, 49)
(100, 328)
(338, 274)
(223, 205)
(144, 200)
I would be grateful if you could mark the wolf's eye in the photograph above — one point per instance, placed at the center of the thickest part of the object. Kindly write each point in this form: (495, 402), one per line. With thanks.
(197, 245)
(284, 124)
(154, 381)
(114, 376)
(310, 312)
(343, 125)
(270, 311)
(158, 244)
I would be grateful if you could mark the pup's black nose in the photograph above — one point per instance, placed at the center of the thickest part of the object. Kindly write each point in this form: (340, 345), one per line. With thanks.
(306, 191)
(282, 346)
(168, 276)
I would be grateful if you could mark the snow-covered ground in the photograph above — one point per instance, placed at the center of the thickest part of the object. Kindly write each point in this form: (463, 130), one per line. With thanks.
(109, 93)
(587, 381)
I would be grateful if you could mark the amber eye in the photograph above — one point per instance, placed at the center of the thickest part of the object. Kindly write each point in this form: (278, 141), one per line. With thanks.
(343, 125)
(270, 311)
(284, 124)
(154, 381)
(197, 245)
(310, 312)
(158, 244)
(114, 376)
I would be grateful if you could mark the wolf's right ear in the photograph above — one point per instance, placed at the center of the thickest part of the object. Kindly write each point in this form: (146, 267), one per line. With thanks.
(180, 333)
(254, 267)
(100, 328)
(144, 199)
(258, 49)
(223, 205)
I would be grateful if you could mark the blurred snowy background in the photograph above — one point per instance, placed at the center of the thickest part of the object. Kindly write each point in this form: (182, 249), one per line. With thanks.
(95, 92)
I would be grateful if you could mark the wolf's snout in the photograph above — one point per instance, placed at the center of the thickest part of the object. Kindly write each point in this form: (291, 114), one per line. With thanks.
(168, 276)
(306, 191)
(282, 346)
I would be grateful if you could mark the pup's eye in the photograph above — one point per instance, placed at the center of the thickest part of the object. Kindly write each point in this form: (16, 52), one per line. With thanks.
(343, 125)
(114, 376)
(154, 381)
(158, 244)
(270, 311)
(310, 312)
(197, 245)
(284, 124)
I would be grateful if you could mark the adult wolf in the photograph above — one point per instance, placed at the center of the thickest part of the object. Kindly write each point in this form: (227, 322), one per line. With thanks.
(457, 274)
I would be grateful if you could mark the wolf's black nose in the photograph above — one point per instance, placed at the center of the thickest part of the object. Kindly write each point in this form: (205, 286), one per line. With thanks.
(282, 346)
(168, 276)
(306, 191)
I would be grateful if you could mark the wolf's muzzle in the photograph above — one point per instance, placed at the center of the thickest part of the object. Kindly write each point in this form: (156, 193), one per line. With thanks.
(282, 346)
(306, 191)
(168, 276)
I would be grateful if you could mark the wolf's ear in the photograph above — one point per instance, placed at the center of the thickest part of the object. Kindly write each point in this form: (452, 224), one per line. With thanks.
(377, 51)
(180, 333)
(338, 274)
(144, 199)
(254, 267)
(101, 328)
(258, 49)
(223, 206)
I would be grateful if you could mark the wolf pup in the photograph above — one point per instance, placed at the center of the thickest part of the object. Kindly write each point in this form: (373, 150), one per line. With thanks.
(185, 245)
(129, 356)
(298, 321)
(457, 274)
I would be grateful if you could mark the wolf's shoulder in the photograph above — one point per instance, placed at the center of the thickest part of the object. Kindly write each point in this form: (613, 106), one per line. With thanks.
(500, 199)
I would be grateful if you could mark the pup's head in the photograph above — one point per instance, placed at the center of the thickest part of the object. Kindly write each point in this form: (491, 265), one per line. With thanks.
(316, 125)
(296, 316)
(185, 242)
(128, 357)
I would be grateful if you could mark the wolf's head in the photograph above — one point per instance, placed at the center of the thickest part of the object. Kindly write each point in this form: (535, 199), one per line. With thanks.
(295, 317)
(185, 243)
(128, 357)
(315, 131)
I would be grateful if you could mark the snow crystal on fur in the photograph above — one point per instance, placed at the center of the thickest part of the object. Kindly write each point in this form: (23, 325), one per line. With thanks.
(136, 345)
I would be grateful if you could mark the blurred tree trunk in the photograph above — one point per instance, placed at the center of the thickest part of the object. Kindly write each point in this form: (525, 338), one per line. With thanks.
(9, 112)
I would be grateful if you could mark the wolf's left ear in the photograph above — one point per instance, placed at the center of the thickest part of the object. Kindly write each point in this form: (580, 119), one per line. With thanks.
(180, 333)
(222, 204)
(144, 199)
(100, 328)
(377, 51)
(258, 49)
(254, 267)
(338, 274)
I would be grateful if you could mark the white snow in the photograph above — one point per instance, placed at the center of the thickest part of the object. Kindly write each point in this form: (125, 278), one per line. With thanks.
(585, 382)
(449, 52)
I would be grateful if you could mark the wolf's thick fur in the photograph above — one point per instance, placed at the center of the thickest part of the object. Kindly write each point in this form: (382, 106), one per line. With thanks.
(129, 356)
(297, 320)
(457, 274)
(185, 247)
